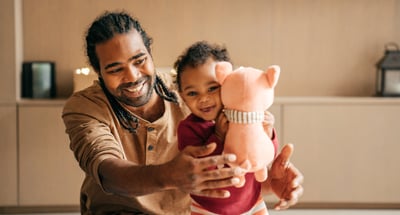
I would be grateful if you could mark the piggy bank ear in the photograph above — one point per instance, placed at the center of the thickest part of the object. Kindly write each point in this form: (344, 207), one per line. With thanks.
(222, 69)
(273, 75)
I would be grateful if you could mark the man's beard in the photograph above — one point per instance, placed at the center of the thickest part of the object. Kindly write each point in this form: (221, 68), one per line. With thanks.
(149, 82)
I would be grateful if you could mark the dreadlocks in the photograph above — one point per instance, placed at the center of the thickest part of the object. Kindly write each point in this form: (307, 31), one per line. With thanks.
(105, 28)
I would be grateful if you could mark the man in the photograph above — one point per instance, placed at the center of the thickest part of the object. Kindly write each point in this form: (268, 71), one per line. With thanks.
(122, 131)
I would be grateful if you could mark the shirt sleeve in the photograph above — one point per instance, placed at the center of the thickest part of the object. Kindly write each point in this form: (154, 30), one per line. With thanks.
(91, 139)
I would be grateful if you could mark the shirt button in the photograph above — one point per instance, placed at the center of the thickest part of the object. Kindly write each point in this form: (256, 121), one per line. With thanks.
(150, 129)
(150, 147)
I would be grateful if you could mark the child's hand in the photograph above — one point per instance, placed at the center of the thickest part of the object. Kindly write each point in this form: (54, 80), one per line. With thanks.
(268, 123)
(221, 126)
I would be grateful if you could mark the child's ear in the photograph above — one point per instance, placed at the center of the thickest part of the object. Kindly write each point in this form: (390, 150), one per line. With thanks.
(273, 73)
(222, 69)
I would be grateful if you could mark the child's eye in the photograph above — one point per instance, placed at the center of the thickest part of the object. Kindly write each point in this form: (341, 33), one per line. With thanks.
(213, 88)
(191, 93)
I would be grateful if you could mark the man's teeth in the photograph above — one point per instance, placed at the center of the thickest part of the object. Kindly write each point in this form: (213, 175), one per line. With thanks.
(134, 89)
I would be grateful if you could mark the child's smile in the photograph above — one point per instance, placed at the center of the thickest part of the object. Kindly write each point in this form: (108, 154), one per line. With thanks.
(201, 91)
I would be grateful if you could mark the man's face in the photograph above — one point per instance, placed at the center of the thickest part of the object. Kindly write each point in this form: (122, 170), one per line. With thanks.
(127, 68)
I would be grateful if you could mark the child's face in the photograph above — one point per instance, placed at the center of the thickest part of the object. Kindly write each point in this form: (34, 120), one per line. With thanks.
(201, 91)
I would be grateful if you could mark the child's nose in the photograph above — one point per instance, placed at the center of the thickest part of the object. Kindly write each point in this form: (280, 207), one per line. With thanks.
(204, 98)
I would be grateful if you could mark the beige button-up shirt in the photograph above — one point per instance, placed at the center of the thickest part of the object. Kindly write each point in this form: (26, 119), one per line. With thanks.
(96, 134)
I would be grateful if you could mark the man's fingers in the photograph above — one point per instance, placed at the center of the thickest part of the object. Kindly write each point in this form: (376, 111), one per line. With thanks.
(294, 181)
(217, 178)
(281, 205)
(202, 151)
(282, 162)
(218, 174)
(212, 193)
(215, 160)
(292, 192)
(290, 200)
(222, 182)
(286, 154)
(298, 178)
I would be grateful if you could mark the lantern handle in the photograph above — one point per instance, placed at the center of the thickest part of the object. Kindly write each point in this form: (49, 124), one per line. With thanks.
(393, 45)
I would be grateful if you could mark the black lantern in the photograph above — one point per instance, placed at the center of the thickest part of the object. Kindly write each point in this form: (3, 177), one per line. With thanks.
(388, 73)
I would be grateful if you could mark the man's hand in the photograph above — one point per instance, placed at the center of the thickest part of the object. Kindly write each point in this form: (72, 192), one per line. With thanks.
(199, 176)
(285, 180)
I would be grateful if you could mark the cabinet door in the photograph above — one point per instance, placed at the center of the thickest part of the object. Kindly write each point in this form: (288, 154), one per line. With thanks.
(10, 52)
(48, 173)
(347, 152)
(8, 155)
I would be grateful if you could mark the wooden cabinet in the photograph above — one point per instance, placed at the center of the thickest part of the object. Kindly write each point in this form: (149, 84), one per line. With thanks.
(348, 149)
(48, 173)
(11, 51)
(8, 155)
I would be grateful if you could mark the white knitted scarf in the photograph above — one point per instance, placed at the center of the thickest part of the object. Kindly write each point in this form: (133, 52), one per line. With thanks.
(241, 117)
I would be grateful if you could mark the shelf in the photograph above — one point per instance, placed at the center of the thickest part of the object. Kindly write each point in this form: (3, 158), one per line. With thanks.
(41, 102)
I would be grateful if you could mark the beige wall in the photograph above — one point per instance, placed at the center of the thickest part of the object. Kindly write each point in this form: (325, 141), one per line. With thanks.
(325, 48)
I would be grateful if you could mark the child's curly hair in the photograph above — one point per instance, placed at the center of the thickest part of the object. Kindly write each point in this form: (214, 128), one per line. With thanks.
(196, 55)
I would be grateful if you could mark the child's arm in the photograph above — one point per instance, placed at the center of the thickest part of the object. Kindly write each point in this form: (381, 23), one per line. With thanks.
(269, 121)
(221, 126)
